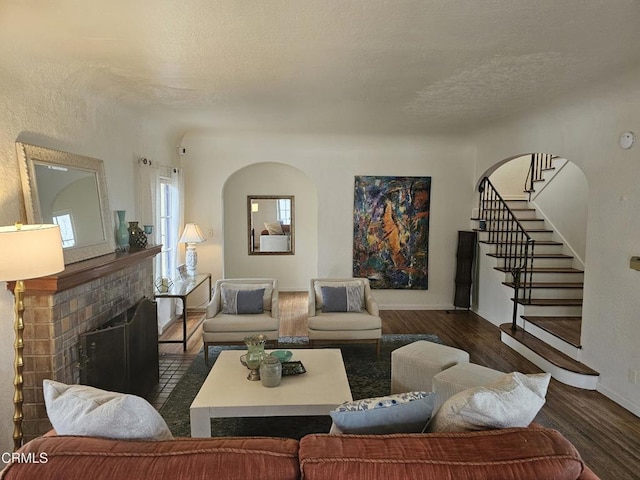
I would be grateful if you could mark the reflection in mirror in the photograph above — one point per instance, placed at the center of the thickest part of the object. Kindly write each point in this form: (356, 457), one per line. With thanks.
(68, 190)
(271, 229)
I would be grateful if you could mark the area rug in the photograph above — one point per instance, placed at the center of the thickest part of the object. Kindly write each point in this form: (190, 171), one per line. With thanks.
(368, 377)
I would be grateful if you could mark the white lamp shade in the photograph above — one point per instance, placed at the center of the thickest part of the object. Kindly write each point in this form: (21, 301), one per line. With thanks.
(30, 251)
(191, 234)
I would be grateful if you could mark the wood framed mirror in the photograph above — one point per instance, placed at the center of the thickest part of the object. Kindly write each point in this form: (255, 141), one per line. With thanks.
(69, 190)
(271, 224)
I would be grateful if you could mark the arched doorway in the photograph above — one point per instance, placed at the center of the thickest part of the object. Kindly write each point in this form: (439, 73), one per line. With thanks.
(264, 179)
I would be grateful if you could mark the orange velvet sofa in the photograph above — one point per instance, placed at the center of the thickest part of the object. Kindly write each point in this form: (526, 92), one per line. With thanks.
(513, 453)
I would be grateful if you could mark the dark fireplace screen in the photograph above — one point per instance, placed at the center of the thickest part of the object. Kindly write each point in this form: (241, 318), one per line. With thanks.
(122, 354)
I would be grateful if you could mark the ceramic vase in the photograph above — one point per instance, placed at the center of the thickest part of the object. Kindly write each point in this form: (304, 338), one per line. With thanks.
(137, 238)
(122, 233)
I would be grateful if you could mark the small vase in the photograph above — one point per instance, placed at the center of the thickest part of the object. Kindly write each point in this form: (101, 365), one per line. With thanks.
(137, 238)
(122, 233)
(255, 354)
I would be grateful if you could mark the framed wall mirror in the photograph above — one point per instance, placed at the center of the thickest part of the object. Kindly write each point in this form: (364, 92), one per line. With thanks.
(71, 191)
(271, 224)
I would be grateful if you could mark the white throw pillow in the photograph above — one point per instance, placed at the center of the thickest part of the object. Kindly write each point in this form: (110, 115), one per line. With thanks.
(511, 401)
(401, 413)
(274, 228)
(89, 411)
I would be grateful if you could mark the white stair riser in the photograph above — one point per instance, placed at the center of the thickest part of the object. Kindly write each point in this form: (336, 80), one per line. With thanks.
(527, 224)
(484, 236)
(557, 311)
(552, 293)
(551, 277)
(538, 249)
(546, 262)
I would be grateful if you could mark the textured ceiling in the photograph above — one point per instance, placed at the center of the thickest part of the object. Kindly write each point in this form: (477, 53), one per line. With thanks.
(322, 65)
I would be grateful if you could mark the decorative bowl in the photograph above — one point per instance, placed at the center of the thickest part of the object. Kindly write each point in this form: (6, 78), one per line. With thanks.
(282, 355)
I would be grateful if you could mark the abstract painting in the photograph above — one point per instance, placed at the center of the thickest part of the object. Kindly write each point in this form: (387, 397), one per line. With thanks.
(391, 231)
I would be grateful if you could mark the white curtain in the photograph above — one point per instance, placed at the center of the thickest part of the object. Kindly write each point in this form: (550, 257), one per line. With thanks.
(146, 195)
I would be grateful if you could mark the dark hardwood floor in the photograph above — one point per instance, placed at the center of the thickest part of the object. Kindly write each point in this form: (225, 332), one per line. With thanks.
(606, 435)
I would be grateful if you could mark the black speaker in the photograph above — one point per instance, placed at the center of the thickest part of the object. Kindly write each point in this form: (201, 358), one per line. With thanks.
(465, 257)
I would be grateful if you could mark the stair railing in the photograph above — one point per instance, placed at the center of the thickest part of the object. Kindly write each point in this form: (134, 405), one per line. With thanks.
(538, 164)
(513, 243)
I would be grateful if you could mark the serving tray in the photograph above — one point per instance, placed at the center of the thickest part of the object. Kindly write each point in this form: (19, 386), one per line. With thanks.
(293, 368)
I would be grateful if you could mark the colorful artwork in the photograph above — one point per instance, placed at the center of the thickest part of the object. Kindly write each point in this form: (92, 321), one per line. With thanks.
(391, 231)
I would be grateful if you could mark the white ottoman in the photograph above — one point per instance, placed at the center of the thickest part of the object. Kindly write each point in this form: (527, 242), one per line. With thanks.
(413, 366)
(460, 377)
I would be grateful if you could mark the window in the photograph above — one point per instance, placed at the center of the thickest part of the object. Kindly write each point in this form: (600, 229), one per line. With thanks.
(283, 213)
(67, 232)
(166, 202)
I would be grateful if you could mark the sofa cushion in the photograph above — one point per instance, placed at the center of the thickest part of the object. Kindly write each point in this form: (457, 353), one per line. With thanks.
(268, 291)
(184, 458)
(84, 410)
(400, 413)
(492, 454)
(242, 302)
(342, 299)
(513, 400)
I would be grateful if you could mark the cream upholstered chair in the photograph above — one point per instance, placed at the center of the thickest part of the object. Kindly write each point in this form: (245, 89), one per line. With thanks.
(331, 315)
(226, 327)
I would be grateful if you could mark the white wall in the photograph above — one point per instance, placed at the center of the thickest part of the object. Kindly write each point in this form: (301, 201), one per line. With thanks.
(42, 111)
(509, 178)
(563, 202)
(331, 162)
(585, 130)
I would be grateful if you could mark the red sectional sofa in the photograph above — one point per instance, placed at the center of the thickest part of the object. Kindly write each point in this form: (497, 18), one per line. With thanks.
(514, 453)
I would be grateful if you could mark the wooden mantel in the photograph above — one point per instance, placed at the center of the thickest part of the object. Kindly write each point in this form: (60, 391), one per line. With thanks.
(78, 273)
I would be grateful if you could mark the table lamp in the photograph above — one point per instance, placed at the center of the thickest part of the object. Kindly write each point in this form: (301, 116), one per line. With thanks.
(191, 235)
(28, 251)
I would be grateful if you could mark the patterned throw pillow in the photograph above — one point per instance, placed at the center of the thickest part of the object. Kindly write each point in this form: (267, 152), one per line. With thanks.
(401, 413)
(242, 302)
(342, 299)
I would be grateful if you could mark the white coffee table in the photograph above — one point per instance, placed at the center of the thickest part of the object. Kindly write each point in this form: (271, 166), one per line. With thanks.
(226, 392)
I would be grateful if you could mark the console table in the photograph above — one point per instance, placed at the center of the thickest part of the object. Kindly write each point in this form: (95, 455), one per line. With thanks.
(182, 289)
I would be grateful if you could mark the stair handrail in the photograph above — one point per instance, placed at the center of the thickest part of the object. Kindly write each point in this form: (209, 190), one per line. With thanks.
(512, 241)
(538, 164)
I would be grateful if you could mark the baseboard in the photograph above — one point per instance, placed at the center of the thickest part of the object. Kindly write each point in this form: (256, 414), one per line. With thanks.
(623, 402)
(415, 307)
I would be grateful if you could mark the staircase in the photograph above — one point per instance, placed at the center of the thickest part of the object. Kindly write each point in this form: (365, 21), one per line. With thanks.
(544, 288)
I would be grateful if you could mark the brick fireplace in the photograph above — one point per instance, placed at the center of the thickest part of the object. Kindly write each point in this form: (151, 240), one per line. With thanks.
(60, 307)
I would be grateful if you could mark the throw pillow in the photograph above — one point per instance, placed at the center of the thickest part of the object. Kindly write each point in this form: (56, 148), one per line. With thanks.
(401, 413)
(268, 290)
(511, 401)
(274, 228)
(89, 411)
(242, 302)
(342, 299)
(318, 284)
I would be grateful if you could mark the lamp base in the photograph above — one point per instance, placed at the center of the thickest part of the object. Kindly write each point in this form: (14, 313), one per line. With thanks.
(191, 259)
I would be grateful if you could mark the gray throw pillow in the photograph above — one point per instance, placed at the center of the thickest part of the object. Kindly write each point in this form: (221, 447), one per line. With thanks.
(342, 299)
(242, 302)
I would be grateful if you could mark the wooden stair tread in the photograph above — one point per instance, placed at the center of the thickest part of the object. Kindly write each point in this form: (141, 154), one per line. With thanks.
(545, 270)
(535, 255)
(546, 285)
(568, 329)
(551, 302)
(537, 242)
(547, 352)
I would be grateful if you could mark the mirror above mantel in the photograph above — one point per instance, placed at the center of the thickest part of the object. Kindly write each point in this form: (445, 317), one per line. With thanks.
(271, 224)
(71, 191)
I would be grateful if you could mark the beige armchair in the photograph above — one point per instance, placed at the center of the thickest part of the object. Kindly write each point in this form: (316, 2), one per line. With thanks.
(330, 323)
(230, 327)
